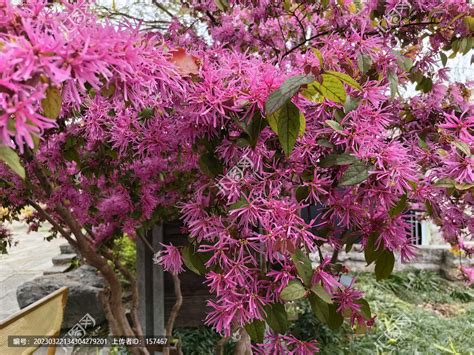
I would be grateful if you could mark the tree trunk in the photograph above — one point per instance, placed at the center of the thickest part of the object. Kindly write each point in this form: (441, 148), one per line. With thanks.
(243, 345)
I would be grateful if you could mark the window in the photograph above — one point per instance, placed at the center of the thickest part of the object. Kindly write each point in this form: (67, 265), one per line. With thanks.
(416, 234)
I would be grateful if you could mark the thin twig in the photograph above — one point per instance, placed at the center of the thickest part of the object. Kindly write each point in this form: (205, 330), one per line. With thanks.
(162, 8)
(304, 42)
(299, 45)
(334, 256)
(321, 257)
(146, 242)
(116, 13)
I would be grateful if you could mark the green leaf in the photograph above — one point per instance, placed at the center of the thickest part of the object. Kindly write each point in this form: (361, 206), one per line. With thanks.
(463, 147)
(146, 113)
(351, 104)
(444, 58)
(335, 319)
(416, 76)
(277, 317)
(51, 104)
(364, 62)
(463, 186)
(469, 22)
(288, 117)
(399, 207)
(324, 143)
(272, 120)
(364, 308)
(303, 266)
(302, 124)
(293, 291)
(71, 154)
(210, 165)
(288, 126)
(422, 143)
(355, 174)
(429, 208)
(425, 85)
(334, 125)
(445, 182)
(319, 291)
(285, 92)
(222, 5)
(9, 157)
(348, 247)
(256, 330)
(339, 114)
(238, 204)
(319, 308)
(371, 251)
(255, 126)
(301, 193)
(312, 94)
(464, 45)
(405, 63)
(108, 90)
(349, 238)
(331, 88)
(337, 159)
(384, 265)
(393, 80)
(413, 184)
(345, 78)
(318, 55)
(192, 260)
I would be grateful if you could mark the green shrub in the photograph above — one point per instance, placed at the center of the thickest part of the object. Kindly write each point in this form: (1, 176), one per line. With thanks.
(200, 341)
(126, 250)
(418, 312)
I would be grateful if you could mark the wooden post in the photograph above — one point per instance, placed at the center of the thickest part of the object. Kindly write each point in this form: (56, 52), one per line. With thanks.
(150, 285)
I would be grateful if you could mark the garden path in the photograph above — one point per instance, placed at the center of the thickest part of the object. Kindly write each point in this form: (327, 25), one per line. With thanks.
(25, 261)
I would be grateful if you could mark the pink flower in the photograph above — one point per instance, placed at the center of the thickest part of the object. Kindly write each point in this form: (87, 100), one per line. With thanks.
(118, 203)
(286, 344)
(327, 280)
(460, 125)
(170, 259)
(346, 299)
(460, 167)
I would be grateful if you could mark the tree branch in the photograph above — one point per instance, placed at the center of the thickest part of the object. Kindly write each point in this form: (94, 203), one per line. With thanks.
(175, 310)
(304, 42)
(162, 8)
(134, 288)
(50, 219)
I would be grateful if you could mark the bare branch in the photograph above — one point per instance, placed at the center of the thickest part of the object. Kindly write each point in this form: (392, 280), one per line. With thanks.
(162, 8)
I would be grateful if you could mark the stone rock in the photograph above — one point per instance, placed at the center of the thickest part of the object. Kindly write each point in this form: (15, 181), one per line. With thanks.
(450, 273)
(66, 249)
(84, 285)
(63, 259)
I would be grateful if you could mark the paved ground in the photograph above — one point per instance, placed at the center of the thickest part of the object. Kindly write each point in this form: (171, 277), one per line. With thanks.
(24, 262)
